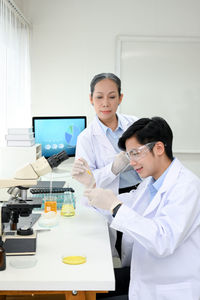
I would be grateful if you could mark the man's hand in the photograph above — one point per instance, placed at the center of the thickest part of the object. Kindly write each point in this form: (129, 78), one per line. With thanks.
(120, 163)
(82, 173)
(100, 198)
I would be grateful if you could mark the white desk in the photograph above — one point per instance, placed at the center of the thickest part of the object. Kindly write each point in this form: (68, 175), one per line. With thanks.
(85, 233)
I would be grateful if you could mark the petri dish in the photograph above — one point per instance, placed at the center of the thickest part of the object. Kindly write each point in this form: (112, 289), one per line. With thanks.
(74, 259)
(23, 262)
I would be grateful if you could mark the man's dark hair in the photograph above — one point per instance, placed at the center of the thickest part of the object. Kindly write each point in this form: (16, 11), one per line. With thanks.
(102, 76)
(148, 130)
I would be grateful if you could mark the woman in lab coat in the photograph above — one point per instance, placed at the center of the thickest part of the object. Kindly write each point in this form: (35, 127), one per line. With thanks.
(162, 217)
(98, 143)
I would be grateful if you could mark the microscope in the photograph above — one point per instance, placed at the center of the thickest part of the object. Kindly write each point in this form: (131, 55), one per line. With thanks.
(22, 241)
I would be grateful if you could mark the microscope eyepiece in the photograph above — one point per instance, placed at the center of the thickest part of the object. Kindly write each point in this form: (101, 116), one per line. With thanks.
(56, 159)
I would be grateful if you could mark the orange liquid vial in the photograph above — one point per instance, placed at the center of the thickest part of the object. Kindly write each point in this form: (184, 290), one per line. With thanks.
(50, 206)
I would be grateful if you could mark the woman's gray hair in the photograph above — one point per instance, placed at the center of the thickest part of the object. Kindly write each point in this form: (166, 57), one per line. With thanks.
(102, 76)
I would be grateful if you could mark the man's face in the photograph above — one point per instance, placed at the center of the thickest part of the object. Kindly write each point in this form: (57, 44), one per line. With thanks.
(143, 158)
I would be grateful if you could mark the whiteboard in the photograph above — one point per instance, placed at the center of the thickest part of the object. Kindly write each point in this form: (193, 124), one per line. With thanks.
(161, 77)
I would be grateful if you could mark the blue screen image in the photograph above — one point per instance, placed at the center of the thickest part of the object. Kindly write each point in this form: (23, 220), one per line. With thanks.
(56, 135)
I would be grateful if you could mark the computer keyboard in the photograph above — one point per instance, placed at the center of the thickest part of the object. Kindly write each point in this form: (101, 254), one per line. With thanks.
(48, 190)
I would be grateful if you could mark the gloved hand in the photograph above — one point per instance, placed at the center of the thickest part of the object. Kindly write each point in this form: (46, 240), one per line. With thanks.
(120, 163)
(104, 199)
(82, 173)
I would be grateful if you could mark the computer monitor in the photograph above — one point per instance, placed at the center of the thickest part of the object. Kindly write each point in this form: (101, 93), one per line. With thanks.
(58, 133)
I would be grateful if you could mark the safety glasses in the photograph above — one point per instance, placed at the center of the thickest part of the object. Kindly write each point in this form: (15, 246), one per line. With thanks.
(137, 153)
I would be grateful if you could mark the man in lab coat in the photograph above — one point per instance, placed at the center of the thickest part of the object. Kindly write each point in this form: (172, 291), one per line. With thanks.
(162, 217)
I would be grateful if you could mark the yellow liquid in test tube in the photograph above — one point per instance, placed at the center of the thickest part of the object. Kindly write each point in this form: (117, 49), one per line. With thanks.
(67, 210)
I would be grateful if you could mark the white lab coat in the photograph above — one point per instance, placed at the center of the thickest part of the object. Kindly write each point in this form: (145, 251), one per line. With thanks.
(165, 261)
(96, 149)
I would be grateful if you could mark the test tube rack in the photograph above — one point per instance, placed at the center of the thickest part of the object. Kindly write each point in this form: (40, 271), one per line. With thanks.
(58, 193)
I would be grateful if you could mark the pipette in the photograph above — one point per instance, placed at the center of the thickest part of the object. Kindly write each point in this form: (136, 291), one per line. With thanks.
(87, 170)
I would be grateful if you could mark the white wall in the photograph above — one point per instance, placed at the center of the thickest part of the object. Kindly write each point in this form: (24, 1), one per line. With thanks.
(72, 40)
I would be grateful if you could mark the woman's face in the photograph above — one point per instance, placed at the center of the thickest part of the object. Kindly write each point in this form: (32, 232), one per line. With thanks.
(106, 99)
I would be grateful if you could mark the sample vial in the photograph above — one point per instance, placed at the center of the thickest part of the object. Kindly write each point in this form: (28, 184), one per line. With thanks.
(68, 208)
(50, 204)
(2, 256)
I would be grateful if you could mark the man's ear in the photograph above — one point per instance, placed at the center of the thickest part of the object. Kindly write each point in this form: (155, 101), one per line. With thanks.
(159, 148)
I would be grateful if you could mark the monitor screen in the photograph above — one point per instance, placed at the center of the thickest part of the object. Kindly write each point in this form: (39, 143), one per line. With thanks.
(58, 133)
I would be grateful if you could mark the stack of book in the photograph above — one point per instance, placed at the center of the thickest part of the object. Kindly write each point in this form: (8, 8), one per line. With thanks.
(20, 137)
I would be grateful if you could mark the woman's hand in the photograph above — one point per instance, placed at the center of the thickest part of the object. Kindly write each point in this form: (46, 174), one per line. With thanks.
(82, 173)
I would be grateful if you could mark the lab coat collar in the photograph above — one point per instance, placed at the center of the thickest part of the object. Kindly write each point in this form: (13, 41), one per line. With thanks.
(105, 128)
(168, 182)
(100, 134)
(171, 175)
(123, 122)
(97, 129)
